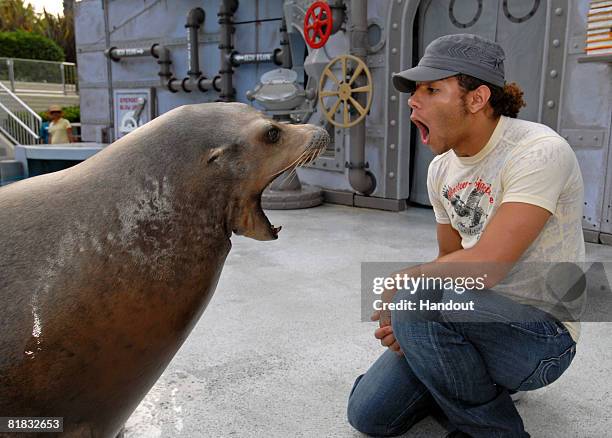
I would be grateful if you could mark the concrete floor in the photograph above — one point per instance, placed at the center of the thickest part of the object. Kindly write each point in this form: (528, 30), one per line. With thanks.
(277, 350)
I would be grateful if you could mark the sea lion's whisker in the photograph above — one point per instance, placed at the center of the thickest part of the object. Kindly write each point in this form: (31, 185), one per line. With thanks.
(292, 165)
(289, 177)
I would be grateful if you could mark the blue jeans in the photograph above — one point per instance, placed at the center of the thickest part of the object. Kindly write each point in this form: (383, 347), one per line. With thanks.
(466, 369)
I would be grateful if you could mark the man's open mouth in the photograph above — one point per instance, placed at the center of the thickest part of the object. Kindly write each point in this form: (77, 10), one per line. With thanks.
(423, 129)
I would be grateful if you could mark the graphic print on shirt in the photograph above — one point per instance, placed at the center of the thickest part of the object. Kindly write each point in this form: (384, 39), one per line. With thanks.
(471, 203)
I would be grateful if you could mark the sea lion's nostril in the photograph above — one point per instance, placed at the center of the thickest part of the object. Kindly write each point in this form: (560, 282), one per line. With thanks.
(320, 139)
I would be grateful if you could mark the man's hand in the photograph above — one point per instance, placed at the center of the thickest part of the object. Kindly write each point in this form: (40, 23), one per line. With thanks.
(384, 332)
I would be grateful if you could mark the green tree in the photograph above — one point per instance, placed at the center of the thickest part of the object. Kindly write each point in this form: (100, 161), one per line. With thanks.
(59, 28)
(14, 15)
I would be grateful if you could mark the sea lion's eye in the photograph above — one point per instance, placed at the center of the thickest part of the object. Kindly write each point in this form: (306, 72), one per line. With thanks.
(273, 135)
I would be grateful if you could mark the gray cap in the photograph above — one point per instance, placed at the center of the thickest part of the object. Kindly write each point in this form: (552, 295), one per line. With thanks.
(451, 55)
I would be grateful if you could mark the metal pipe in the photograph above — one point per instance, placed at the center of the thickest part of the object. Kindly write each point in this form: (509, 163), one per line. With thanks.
(11, 73)
(338, 14)
(195, 18)
(63, 75)
(237, 59)
(362, 180)
(285, 53)
(202, 84)
(280, 56)
(162, 54)
(115, 53)
(226, 15)
(109, 74)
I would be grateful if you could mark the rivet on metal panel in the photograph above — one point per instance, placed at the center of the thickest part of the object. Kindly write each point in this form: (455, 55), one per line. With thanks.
(394, 25)
(394, 50)
(337, 149)
(580, 137)
(553, 73)
(392, 146)
(596, 138)
(337, 165)
(324, 164)
(391, 175)
(550, 104)
(392, 122)
(399, 1)
(393, 98)
(559, 11)
(556, 43)
(338, 131)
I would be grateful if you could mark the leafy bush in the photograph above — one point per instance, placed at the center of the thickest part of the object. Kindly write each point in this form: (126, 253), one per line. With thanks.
(71, 113)
(21, 44)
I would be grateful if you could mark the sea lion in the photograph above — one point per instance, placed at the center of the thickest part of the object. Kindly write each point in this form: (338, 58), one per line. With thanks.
(105, 267)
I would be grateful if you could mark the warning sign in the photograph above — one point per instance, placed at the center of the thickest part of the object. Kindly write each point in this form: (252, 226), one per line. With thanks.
(132, 110)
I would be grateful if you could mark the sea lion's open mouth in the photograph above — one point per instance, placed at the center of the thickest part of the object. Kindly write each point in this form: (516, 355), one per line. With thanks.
(254, 223)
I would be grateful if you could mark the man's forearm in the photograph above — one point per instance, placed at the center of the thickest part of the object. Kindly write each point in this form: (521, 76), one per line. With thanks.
(461, 263)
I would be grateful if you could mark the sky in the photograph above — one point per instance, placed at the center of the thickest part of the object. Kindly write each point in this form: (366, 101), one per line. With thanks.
(52, 6)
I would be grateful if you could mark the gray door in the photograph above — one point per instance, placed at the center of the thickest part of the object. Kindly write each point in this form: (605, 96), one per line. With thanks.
(518, 25)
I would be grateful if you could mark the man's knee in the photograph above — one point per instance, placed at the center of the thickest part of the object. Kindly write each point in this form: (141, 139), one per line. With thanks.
(365, 414)
(416, 306)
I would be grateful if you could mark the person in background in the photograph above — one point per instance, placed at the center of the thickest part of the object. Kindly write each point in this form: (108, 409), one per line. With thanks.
(60, 129)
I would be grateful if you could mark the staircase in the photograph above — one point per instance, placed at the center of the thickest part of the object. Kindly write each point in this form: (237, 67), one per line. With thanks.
(39, 96)
(41, 83)
(19, 124)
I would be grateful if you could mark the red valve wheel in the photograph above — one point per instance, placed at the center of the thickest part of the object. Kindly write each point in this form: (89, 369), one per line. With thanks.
(317, 24)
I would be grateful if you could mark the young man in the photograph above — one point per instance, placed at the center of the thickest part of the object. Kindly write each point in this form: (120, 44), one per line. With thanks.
(506, 194)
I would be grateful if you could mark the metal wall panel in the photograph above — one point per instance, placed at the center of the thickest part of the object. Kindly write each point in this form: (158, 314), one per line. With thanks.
(537, 40)
(585, 119)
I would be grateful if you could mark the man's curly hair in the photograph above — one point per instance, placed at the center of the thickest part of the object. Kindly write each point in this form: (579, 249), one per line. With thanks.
(506, 101)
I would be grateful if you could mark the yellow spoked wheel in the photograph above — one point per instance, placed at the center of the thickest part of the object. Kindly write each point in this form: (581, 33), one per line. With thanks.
(342, 98)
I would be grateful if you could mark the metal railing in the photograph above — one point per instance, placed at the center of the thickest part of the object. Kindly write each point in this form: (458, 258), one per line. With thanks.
(37, 75)
(18, 122)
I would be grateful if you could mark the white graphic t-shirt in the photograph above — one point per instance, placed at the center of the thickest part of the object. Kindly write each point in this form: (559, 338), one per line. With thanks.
(522, 162)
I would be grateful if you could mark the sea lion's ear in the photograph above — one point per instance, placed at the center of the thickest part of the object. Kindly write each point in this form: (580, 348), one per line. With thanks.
(215, 153)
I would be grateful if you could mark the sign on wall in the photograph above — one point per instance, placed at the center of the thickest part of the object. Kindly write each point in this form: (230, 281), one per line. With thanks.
(133, 108)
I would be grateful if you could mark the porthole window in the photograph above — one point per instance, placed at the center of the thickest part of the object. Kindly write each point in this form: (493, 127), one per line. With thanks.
(376, 39)
(477, 7)
(515, 19)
